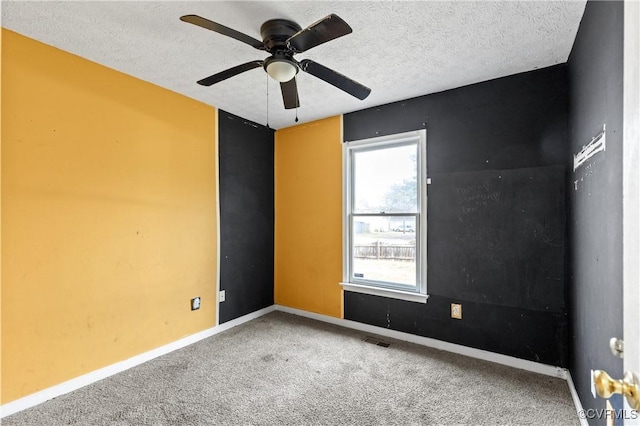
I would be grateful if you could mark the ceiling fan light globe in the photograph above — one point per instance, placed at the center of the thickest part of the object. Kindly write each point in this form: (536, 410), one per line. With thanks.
(281, 71)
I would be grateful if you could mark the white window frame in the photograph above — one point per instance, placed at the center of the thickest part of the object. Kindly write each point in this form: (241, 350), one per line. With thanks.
(381, 289)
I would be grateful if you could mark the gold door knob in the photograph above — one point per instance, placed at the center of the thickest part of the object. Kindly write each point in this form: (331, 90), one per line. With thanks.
(629, 387)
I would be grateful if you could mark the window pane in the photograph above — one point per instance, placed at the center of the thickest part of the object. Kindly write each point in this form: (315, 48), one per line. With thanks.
(384, 249)
(385, 180)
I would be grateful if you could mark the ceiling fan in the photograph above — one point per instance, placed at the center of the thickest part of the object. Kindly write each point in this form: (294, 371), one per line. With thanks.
(283, 39)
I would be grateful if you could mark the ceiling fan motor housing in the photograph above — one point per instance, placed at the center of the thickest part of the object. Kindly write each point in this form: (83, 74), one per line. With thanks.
(276, 32)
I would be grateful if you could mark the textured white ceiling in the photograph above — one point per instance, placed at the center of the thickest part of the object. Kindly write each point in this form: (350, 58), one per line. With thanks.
(398, 49)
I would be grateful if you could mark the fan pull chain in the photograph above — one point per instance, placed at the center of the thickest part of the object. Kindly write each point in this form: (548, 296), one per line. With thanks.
(267, 101)
(297, 103)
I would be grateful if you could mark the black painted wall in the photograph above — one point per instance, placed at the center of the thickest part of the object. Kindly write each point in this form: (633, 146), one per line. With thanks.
(517, 124)
(595, 73)
(246, 215)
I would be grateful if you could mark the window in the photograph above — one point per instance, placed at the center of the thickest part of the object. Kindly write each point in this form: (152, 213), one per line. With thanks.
(385, 227)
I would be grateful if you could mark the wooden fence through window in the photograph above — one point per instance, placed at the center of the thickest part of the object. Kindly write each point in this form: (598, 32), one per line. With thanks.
(380, 250)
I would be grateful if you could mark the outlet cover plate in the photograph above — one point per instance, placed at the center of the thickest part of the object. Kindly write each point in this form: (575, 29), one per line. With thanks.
(195, 303)
(456, 311)
(223, 295)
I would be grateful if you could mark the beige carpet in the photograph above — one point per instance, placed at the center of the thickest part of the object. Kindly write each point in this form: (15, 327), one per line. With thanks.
(282, 369)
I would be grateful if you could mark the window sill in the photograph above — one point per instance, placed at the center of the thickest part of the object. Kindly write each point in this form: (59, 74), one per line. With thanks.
(385, 292)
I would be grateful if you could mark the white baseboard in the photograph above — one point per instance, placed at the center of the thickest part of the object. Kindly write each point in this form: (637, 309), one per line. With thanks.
(245, 318)
(576, 400)
(510, 361)
(102, 373)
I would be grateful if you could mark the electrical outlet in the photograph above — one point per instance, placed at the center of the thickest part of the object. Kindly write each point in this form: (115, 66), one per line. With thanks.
(195, 303)
(223, 295)
(456, 311)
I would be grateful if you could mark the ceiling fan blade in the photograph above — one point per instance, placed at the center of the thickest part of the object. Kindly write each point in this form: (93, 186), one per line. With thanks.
(229, 32)
(290, 94)
(319, 32)
(223, 75)
(342, 82)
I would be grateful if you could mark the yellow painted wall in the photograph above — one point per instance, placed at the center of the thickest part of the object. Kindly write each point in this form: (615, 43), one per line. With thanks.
(109, 216)
(308, 234)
